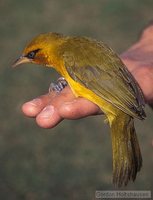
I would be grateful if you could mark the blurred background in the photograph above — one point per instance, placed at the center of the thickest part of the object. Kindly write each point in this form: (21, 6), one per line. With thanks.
(74, 159)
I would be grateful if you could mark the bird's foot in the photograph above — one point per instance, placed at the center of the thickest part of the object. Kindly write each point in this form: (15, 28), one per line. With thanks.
(60, 84)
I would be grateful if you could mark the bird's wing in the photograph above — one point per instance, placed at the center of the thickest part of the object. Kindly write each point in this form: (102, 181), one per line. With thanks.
(105, 74)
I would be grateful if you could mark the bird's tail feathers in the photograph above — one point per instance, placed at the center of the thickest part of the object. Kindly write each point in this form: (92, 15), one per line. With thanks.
(127, 159)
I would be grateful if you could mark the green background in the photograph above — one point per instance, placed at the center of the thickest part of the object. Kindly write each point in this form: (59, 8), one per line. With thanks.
(73, 160)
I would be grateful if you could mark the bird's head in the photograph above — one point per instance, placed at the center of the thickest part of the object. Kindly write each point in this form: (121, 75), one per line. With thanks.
(41, 50)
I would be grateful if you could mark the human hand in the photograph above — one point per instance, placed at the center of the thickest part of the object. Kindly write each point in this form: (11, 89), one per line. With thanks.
(51, 109)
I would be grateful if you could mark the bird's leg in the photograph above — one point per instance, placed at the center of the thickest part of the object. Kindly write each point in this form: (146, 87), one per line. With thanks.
(60, 84)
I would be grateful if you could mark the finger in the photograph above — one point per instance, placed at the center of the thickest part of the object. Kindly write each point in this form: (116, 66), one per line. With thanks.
(78, 108)
(33, 107)
(50, 110)
(48, 117)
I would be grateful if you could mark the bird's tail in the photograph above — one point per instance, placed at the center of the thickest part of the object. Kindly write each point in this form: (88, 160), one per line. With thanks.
(127, 159)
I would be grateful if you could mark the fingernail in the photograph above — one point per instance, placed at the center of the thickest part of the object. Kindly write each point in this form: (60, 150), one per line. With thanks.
(35, 102)
(47, 112)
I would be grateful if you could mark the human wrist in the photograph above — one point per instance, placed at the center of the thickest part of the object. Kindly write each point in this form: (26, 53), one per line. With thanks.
(140, 54)
(139, 61)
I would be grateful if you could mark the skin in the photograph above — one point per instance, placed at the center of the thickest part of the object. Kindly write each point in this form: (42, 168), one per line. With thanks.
(50, 109)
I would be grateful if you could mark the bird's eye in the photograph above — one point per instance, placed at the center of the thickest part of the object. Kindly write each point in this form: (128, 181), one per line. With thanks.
(32, 54)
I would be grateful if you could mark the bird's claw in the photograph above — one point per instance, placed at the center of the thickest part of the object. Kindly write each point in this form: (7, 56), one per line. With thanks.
(59, 85)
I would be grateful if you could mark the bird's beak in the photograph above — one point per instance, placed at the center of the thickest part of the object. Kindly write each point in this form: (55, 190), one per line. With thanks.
(21, 60)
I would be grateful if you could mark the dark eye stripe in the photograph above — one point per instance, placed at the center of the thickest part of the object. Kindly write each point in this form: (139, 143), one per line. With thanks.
(32, 54)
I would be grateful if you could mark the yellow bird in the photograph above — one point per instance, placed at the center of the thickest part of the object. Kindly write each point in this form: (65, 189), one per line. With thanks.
(95, 72)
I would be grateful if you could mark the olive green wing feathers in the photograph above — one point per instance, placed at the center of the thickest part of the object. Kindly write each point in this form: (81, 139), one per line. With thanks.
(98, 68)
